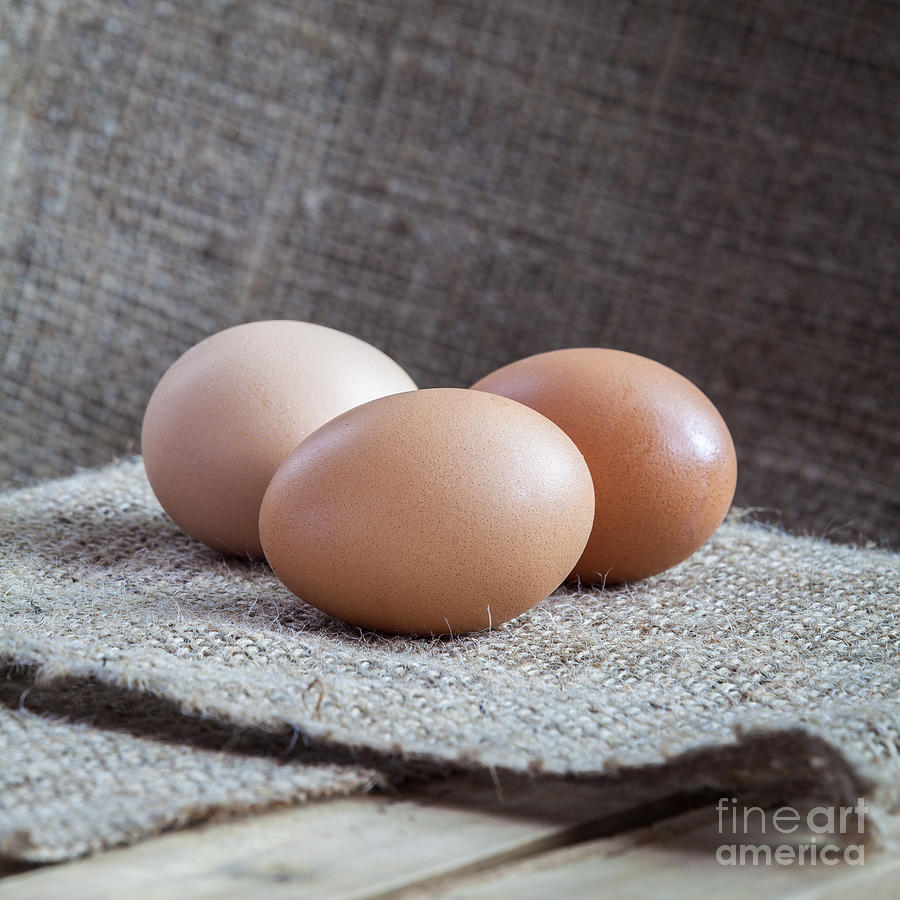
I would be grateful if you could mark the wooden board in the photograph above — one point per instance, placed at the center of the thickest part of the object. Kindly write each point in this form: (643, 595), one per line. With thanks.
(427, 847)
(340, 848)
(676, 860)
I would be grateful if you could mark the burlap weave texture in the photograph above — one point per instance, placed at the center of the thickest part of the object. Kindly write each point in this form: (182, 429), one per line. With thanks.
(757, 631)
(69, 788)
(709, 184)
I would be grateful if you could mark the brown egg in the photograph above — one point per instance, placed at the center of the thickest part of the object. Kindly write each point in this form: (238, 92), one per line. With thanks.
(661, 456)
(227, 413)
(434, 512)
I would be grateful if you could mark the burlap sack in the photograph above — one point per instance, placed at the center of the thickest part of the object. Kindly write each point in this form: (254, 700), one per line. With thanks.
(707, 184)
(710, 184)
(764, 660)
(70, 787)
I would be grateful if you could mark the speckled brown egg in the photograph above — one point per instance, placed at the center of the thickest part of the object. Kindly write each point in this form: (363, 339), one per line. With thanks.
(435, 512)
(227, 413)
(661, 456)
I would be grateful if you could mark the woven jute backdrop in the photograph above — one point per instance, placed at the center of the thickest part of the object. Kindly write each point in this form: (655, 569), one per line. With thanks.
(710, 184)
(714, 185)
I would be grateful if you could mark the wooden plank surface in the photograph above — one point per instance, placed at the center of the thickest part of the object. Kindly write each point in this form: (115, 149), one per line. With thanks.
(676, 860)
(426, 847)
(350, 847)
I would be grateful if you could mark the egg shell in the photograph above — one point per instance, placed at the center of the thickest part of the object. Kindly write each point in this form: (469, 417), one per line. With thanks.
(230, 409)
(435, 512)
(661, 457)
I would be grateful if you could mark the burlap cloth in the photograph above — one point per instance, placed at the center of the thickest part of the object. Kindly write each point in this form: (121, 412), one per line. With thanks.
(161, 654)
(712, 184)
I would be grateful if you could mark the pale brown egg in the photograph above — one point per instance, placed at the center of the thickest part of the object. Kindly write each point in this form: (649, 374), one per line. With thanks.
(227, 413)
(435, 512)
(661, 456)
